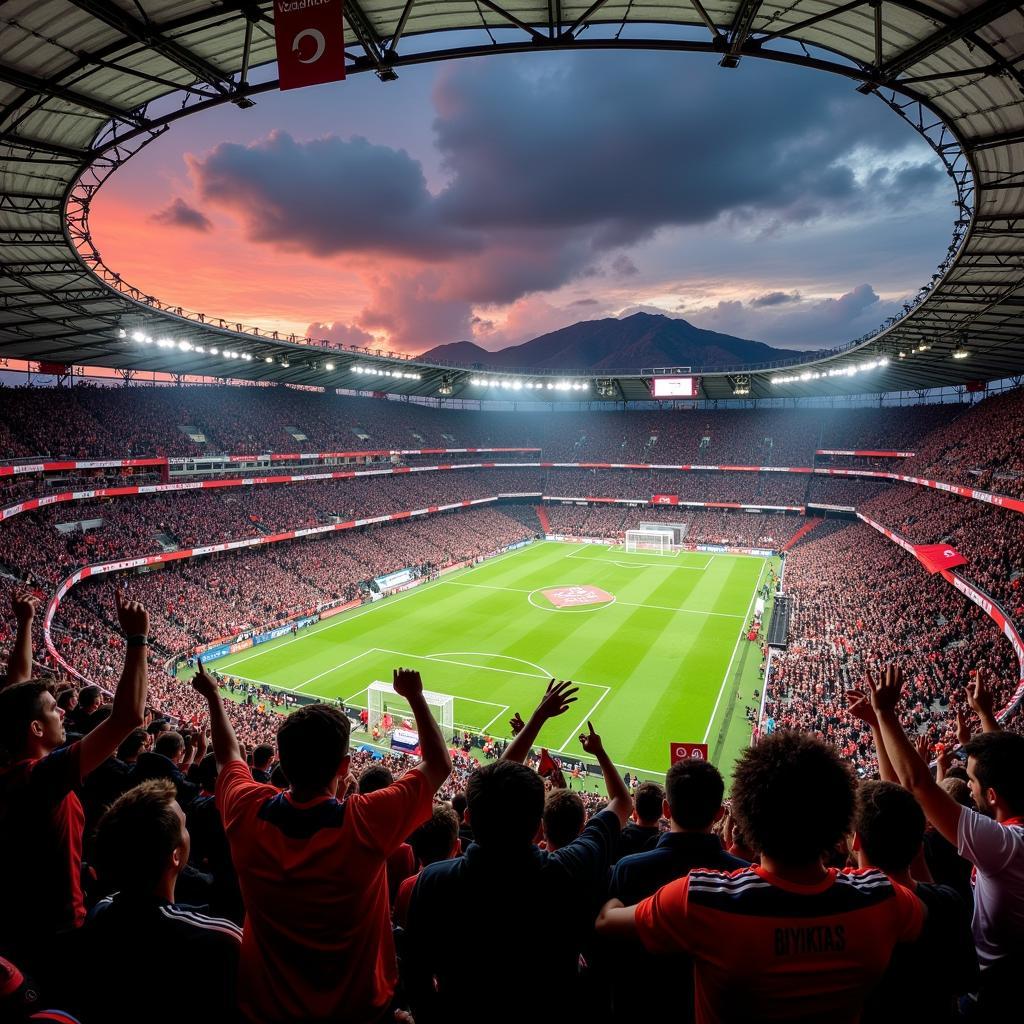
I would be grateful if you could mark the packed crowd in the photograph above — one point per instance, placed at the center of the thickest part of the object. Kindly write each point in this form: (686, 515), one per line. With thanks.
(97, 421)
(271, 872)
(989, 537)
(859, 600)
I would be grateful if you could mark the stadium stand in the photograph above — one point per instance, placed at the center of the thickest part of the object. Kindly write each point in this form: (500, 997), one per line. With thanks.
(272, 898)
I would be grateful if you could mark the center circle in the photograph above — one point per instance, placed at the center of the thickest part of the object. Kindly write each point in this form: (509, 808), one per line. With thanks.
(571, 597)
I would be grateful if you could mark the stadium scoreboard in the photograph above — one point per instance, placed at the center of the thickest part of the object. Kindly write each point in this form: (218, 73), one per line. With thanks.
(675, 387)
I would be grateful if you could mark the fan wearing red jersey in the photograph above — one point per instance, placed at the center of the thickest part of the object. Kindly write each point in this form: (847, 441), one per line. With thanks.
(317, 943)
(790, 939)
(41, 816)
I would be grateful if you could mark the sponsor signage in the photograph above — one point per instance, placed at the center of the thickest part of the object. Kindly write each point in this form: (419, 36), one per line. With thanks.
(687, 752)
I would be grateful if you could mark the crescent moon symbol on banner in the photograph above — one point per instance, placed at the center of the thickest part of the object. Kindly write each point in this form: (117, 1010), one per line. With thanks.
(321, 45)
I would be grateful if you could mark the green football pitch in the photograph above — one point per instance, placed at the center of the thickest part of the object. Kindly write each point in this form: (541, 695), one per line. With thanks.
(659, 658)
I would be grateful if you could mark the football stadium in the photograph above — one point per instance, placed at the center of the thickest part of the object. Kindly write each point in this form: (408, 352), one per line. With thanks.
(400, 530)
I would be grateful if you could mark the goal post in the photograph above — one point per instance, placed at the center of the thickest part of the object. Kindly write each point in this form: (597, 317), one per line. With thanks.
(655, 542)
(381, 701)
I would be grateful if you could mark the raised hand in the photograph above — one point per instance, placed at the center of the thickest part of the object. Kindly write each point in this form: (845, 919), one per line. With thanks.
(132, 616)
(591, 742)
(963, 730)
(923, 747)
(24, 604)
(859, 705)
(979, 693)
(516, 724)
(556, 699)
(943, 759)
(203, 683)
(407, 683)
(885, 688)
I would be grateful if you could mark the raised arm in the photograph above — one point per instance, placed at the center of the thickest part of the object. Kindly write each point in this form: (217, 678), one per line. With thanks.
(860, 707)
(620, 801)
(19, 661)
(225, 743)
(555, 702)
(939, 807)
(436, 763)
(129, 707)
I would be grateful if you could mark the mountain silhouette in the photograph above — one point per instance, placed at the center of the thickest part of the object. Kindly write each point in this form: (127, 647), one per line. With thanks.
(633, 342)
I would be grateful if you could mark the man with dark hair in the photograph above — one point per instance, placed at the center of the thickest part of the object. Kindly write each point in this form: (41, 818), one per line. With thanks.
(991, 837)
(165, 761)
(642, 833)
(83, 719)
(888, 834)
(459, 805)
(262, 756)
(693, 805)
(133, 745)
(436, 839)
(790, 939)
(41, 816)
(113, 778)
(563, 818)
(317, 941)
(374, 777)
(210, 852)
(142, 846)
(548, 899)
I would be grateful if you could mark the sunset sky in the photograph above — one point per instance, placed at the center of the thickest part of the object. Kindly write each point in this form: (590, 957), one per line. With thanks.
(499, 198)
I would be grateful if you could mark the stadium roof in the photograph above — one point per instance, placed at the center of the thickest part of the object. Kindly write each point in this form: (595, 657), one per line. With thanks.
(85, 83)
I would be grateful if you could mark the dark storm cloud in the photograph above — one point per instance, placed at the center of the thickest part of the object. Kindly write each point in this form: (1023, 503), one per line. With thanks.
(650, 143)
(774, 299)
(180, 215)
(329, 196)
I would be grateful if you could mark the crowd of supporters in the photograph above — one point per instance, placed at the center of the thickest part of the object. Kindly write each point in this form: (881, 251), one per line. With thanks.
(268, 872)
(251, 858)
(860, 599)
(96, 421)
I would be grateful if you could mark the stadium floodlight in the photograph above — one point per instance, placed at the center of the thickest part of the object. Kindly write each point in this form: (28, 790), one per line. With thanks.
(961, 353)
(214, 350)
(328, 366)
(268, 359)
(185, 346)
(285, 363)
(138, 336)
(200, 348)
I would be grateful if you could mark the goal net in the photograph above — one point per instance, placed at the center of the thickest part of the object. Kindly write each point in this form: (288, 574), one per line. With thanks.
(656, 542)
(386, 710)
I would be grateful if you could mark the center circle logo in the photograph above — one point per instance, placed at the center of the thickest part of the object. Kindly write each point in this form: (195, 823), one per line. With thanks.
(570, 597)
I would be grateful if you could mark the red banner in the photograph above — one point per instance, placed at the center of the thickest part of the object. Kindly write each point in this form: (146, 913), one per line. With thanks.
(664, 499)
(687, 752)
(936, 557)
(310, 39)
